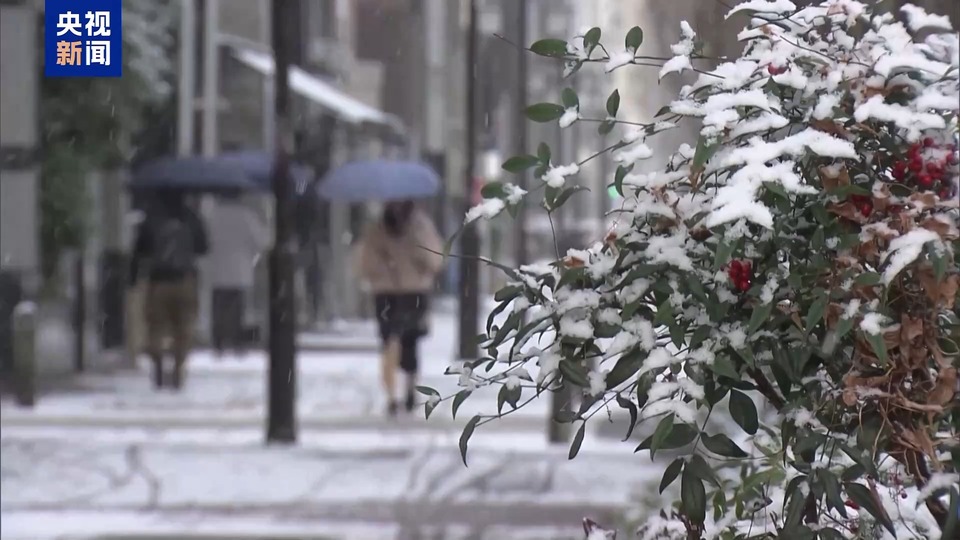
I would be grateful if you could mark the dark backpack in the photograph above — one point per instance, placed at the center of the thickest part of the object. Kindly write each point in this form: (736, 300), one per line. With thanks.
(174, 246)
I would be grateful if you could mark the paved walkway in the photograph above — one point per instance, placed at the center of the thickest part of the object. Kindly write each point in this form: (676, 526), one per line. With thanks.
(113, 456)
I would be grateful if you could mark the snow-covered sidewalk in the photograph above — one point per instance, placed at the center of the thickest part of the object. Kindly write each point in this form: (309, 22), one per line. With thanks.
(179, 481)
(112, 456)
(335, 389)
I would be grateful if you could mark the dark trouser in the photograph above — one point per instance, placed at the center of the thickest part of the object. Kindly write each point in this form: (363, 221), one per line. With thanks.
(228, 317)
(403, 316)
(171, 310)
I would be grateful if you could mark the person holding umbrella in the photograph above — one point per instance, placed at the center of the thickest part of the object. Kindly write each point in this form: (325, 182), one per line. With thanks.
(399, 257)
(170, 240)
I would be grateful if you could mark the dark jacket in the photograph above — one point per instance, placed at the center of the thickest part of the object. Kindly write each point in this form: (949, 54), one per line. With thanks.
(143, 248)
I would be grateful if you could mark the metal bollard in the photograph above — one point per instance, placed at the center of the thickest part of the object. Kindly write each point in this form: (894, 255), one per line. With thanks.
(24, 353)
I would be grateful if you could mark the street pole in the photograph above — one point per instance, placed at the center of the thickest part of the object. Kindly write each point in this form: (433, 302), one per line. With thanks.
(186, 89)
(470, 240)
(211, 74)
(282, 384)
(521, 131)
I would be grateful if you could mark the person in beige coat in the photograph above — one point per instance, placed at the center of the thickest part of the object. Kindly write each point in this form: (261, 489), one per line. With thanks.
(399, 257)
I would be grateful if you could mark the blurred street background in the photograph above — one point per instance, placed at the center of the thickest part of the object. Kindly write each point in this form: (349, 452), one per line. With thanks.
(89, 450)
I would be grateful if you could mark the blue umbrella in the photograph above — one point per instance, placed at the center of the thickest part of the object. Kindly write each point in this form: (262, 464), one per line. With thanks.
(259, 166)
(380, 180)
(192, 173)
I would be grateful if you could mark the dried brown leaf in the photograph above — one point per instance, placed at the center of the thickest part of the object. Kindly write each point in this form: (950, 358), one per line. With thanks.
(833, 128)
(946, 387)
(847, 210)
(945, 229)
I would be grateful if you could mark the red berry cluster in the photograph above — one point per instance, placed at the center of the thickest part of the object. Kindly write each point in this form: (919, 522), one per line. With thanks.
(776, 70)
(926, 172)
(863, 203)
(740, 273)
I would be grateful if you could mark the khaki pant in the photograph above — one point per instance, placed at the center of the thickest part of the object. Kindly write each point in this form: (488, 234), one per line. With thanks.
(171, 312)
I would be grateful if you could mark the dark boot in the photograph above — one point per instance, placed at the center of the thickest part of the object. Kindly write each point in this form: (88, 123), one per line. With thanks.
(157, 374)
(392, 408)
(411, 401)
(177, 380)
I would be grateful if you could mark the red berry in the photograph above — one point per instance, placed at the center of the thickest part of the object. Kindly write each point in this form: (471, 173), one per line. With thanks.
(736, 265)
(945, 192)
(866, 209)
(928, 142)
(899, 169)
(895, 209)
(776, 70)
(744, 285)
(925, 181)
(916, 165)
(934, 170)
(903, 495)
(852, 504)
(913, 151)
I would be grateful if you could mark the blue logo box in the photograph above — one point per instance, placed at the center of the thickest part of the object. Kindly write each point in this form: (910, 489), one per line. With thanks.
(83, 38)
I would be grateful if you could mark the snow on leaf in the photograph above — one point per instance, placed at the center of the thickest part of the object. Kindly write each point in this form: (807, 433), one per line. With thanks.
(570, 115)
(488, 209)
(675, 65)
(764, 6)
(818, 142)
(918, 19)
(619, 59)
(904, 250)
(555, 177)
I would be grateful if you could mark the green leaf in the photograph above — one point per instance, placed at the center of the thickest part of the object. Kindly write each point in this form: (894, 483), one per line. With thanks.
(661, 433)
(681, 435)
(867, 279)
(493, 190)
(458, 401)
(591, 39)
(878, 346)
(625, 368)
(613, 104)
(831, 488)
(777, 190)
(544, 112)
(843, 327)
(569, 98)
(724, 252)
(634, 39)
(794, 510)
(665, 313)
(699, 467)
(543, 153)
(552, 48)
(520, 163)
(632, 409)
(723, 366)
(760, 315)
(693, 497)
(705, 150)
(577, 441)
(671, 473)
(427, 391)
(861, 495)
(696, 287)
(815, 313)
(853, 472)
(699, 336)
(744, 412)
(605, 127)
(622, 173)
(721, 445)
(574, 372)
(508, 293)
(465, 437)
(662, 111)
(563, 195)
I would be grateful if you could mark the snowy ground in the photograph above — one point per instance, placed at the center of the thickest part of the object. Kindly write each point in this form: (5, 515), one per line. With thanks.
(110, 456)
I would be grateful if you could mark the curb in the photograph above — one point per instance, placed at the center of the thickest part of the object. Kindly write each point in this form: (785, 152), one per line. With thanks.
(436, 424)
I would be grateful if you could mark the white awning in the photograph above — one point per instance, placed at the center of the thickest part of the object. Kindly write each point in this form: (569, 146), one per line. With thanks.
(319, 91)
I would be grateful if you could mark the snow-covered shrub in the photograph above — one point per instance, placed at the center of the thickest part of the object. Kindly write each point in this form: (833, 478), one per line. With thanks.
(800, 254)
